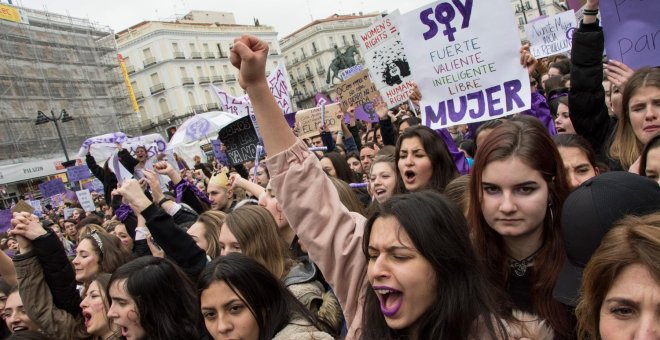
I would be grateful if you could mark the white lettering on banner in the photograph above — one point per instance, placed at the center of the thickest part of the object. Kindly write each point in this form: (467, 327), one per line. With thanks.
(23, 171)
(466, 66)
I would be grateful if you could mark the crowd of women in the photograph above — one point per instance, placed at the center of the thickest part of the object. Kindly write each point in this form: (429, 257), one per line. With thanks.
(544, 225)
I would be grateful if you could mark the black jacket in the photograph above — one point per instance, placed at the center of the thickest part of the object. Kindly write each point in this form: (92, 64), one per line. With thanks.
(106, 177)
(586, 97)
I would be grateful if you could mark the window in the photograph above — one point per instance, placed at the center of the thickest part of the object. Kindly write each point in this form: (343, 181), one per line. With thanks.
(205, 47)
(147, 53)
(175, 47)
(222, 55)
(521, 21)
(183, 72)
(314, 49)
(192, 48)
(213, 71)
(343, 38)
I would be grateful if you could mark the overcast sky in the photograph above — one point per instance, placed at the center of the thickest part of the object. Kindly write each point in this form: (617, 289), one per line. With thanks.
(285, 15)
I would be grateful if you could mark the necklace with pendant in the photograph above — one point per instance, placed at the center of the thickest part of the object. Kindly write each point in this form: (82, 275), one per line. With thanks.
(520, 266)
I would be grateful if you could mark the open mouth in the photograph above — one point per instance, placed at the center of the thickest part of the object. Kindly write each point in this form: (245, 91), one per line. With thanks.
(88, 318)
(390, 300)
(560, 130)
(18, 328)
(409, 176)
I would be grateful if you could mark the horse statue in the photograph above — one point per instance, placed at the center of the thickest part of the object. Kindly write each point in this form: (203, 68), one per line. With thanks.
(341, 61)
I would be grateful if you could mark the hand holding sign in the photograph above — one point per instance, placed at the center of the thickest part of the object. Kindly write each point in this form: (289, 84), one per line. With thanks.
(26, 225)
(618, 73)
(527, 59)
(249, 55)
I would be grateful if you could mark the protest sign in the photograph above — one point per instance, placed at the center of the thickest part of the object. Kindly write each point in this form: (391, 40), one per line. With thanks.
(86, 200)
(551, 35)
(78, 173)
(240, 140)
(351, 71)
(359, 92)
(5, 220)
(386, 60)
(220, 155)
(632, 31)
(467, 64)
(67, 213)
(309, 120)
(52, 188)
(22, 206)
(36, 205)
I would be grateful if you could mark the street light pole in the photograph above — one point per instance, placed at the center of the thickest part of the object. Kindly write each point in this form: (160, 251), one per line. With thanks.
(64, 117)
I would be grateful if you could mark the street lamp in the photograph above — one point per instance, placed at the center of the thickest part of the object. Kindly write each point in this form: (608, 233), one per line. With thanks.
(64, 117)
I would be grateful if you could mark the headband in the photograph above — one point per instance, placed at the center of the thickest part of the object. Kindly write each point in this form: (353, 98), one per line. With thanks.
(97, 238)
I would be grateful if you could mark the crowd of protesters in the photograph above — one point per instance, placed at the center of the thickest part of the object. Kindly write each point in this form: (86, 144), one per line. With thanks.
(542, 225)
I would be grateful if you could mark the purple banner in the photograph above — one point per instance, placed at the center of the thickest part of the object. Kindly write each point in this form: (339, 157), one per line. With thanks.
(78, 173)
(52, 188)
(219, 154)
(631, 31)
(5, 220)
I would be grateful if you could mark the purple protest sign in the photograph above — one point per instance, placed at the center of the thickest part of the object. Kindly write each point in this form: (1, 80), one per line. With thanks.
(290, 119)
(219, 154)
(5, 220)
(78, 173)
(631, 31)
(52, 188)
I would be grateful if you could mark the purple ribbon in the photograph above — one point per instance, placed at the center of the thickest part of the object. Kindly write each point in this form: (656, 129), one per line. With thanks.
(185, 184)
(558, 95)
(358, 185)
(122, 212)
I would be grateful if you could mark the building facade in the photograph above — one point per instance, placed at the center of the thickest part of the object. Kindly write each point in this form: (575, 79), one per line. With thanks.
(309, 52)
(55, 62)
(172, 64)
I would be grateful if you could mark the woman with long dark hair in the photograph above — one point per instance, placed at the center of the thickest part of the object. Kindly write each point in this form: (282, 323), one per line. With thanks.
(518, 186)
(240, 298)
(151, 298)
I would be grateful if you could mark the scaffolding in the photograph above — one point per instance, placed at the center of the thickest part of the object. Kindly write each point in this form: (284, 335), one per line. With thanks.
(58, 62)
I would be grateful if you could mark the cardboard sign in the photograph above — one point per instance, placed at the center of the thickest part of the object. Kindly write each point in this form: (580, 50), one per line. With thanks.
(632, 31)
(310, 120)
(240, 140)
(52, 188)
(467, 64)
(86, 200)
(551, 35)
(78, 173)
(22, 206)
(386, 60)
(359, 91)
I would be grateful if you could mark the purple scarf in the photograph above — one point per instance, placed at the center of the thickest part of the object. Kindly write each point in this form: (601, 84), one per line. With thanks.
(181, 187)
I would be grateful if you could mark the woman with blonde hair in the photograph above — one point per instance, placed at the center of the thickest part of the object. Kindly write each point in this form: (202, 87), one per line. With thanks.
(621, 283)
(206, 232)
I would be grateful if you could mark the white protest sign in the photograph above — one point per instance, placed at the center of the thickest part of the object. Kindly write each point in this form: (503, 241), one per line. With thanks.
(386, 60)
(464, 55)
(36, 204)
(67, 213)
(551, 35)
(86, 200)
(351, 71)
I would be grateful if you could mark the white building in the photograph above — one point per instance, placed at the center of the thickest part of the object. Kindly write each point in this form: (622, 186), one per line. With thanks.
(528, 10)
(171, 64)
(309, 51)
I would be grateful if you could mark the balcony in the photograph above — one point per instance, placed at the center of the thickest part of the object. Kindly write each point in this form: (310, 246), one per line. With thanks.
(320, 71)
(216, 79)
(222, 56)
(138, 95)
(209, 55)
(149, 62)
(212, 106)
(301, 79)
(196, 108)
(160, 87)
(179, 55)
(309, 75)
(130, 69)
(196, 55)
(274, 52)
(230, 77)
(204, 80)
(187, 81)
(293, 82)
